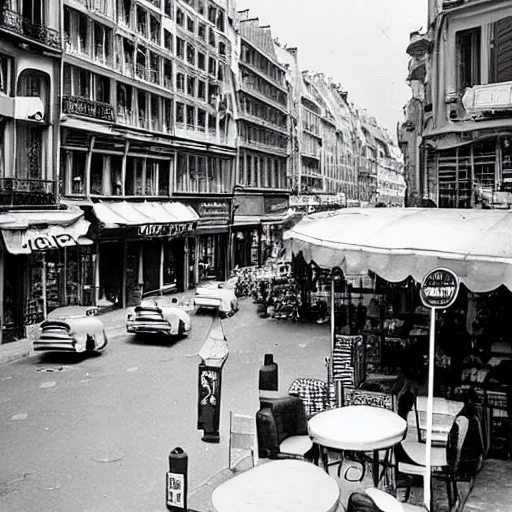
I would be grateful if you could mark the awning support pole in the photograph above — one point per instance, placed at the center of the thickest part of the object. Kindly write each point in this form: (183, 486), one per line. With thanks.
(43, 285)
(431, 362)
(125, 271)
(333, 327)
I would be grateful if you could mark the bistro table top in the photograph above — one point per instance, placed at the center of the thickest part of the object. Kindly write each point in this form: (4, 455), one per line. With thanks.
(281, 486)
(357, 428)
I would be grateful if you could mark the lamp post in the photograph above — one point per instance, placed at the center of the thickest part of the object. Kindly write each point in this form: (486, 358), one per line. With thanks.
(232, 210)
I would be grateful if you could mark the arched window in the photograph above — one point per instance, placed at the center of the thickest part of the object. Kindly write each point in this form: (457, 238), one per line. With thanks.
(32, 82)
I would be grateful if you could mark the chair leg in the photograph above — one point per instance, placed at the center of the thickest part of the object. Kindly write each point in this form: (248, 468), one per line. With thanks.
(449, 492)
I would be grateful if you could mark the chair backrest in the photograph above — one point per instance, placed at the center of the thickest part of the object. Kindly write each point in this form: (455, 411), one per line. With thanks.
(371, 398)
(456, 439)
(361, 502)
(314, 393)
(242, 439)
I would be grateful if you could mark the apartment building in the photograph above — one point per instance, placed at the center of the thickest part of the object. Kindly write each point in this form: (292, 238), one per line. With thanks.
(461, 76)
(36, 232)
(146, 116)
(261, 192)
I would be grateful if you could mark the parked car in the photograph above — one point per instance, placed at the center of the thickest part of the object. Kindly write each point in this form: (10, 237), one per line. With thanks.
(218, 295)
(160, 314)
(72, 329)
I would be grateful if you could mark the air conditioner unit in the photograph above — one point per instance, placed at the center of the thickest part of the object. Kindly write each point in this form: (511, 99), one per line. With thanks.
(29, 108)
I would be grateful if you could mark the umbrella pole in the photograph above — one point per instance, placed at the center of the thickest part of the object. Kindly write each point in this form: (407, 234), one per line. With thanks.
(431, 362)
(333, 327)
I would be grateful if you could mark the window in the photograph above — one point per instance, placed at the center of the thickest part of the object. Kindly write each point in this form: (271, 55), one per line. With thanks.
(201, 119)
(156, 125)
(180, 17)
(201, 60)
(168, 8)
(180, 113)
(201, 31)
(168, 74)
(180, 48)
(75, 175)
(202, 174)
(220, 21)
(75, 31)
(142, 22)
(124, 12)
(167, 115)
(212, 14)
(191, 121)
(220, 73)
(101, 43)
(163, 178)
(168, 40)
(212, 66)
(191, 54)
(190, 24)
(200, 7)
(201, 89)
(222, 48)
(191, 86)
(154, 29)
(211, 37)
(501, 51)
(180, 82)
(102, 88)
(468, 58)
(192, 174)
(29, 150)
(6, 67)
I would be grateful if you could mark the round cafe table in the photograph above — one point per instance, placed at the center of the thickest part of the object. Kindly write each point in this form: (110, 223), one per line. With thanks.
(358, 428)
(281, 486)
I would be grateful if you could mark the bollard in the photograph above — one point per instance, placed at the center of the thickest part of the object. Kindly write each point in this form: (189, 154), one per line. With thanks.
(213, 355)
(177, 481)
(269, 374)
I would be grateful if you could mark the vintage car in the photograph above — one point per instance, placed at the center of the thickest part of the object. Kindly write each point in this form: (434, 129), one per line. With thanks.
(71, 329)
(217, 295)
(160, 314)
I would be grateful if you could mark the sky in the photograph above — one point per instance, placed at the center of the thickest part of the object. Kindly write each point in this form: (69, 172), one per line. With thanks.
(359, 43)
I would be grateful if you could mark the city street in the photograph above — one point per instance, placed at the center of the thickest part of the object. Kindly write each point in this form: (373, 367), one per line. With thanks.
(93, 435)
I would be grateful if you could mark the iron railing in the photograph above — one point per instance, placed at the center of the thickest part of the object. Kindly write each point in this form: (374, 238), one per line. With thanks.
(24, 192)
(79, 106)
(14, 22)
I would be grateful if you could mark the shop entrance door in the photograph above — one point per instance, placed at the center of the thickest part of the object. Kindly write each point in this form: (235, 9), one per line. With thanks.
(152, 251)
(13, 297)
(111, 271)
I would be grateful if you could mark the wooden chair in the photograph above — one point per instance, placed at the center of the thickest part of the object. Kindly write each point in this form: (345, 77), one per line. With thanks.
(242, 440)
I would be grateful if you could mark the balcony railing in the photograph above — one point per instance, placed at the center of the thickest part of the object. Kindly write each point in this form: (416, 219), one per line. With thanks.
(78, 106)
(26, 192)
(14, 22)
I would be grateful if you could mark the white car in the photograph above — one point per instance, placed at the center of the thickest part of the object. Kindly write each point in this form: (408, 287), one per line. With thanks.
(72, 329)
(217, 295)
(160, 314)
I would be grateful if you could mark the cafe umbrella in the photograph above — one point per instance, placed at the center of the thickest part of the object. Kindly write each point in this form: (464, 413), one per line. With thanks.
(439, 248)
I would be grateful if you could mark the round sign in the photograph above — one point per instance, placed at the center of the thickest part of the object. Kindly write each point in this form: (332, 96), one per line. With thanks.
(439, 288)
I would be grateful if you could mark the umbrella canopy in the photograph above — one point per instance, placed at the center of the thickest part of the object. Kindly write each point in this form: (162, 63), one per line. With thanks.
(399, 242)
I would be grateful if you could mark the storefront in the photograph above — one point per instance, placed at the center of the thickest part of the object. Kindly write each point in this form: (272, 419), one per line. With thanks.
(141, 247)
(258, 225)
(46, 263)
(208, 251)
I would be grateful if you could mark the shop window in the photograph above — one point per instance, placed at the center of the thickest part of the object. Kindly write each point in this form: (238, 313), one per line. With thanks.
(191, 86)
(501, 51)
(468, 58)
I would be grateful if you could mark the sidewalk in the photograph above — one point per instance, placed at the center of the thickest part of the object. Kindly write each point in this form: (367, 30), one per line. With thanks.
(114, 321)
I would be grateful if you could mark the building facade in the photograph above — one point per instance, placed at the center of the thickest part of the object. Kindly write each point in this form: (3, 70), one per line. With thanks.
(146, 117)
(461, 75)
(261, 193)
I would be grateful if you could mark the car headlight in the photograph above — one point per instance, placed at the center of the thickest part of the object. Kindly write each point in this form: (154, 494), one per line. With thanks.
(130, 317)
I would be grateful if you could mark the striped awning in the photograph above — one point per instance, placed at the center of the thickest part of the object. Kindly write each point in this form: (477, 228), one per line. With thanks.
(123, 213)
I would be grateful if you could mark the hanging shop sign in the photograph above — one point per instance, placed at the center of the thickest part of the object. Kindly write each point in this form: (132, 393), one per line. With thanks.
(46, 242)
(213, 212)
(167, 230)
(439, 288)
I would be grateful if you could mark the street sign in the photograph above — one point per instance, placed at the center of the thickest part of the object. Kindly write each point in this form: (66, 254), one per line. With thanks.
(175, 490)
(439, 288)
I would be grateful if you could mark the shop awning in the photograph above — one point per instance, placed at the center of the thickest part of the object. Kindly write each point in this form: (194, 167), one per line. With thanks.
(119, 214)
(247, 220)
(399, 242)
(39, 230)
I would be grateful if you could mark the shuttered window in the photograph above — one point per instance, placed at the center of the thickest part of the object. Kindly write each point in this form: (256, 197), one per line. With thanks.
(501, 61)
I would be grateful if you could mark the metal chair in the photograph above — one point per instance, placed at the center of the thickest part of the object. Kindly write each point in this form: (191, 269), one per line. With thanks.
(242, 440)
